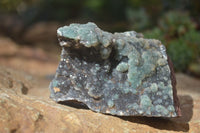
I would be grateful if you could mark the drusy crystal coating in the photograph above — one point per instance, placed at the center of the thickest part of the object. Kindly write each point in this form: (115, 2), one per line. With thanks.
(119, 74)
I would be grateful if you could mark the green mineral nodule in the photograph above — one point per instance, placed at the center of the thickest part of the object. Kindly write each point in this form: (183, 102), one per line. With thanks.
(112, 73)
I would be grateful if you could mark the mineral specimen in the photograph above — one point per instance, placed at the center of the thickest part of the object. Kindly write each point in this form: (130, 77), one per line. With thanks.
(119, 74)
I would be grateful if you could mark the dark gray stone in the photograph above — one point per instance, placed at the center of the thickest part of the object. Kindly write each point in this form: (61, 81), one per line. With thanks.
(119, 74)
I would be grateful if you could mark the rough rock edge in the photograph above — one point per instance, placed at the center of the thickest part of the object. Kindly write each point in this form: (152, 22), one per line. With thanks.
(175, 97)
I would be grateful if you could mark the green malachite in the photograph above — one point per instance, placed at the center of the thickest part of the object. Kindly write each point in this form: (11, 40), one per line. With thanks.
(119, 74)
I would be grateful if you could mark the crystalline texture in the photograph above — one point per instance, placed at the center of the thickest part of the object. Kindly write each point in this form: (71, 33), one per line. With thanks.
(119, 74)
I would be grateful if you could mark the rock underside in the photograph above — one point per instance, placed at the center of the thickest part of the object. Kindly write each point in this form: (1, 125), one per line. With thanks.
(119, 74)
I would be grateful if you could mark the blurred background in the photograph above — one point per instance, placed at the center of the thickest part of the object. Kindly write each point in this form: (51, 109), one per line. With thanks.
(28, 28)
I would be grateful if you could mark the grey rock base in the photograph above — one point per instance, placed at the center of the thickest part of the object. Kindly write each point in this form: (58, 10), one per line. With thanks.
(119, 74)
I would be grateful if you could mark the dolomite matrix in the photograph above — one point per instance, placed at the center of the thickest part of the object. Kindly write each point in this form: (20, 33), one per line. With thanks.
(119, 74)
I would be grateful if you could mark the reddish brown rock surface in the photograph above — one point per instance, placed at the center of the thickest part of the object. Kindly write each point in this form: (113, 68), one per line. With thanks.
(25, 106)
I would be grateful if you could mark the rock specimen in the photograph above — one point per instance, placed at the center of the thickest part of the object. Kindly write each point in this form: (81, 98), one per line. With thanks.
(119, 74)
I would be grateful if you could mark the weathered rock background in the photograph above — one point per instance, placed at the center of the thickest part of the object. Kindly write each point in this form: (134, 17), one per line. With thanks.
(25, 73)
